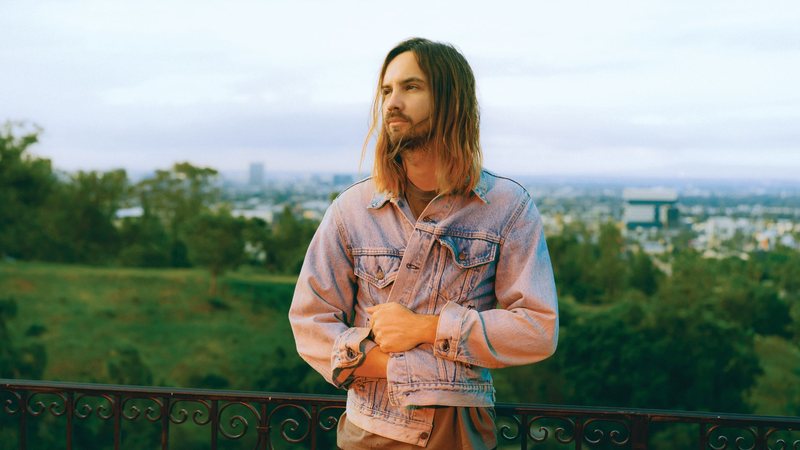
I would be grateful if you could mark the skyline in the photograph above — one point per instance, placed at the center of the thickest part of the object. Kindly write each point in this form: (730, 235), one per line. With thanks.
(570, 89)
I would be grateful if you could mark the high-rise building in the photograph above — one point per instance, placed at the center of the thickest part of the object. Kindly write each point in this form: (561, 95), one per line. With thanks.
(256, 174)
(650, 207)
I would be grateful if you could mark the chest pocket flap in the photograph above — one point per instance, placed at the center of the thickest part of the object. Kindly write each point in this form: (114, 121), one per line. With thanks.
(377, 266)
(469, 252)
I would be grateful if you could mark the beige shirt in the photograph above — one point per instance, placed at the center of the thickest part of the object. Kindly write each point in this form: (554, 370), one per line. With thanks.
(454, 428)
(417, 198)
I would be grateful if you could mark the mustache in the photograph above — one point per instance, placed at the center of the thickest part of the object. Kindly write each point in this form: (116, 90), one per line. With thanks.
(396, 115)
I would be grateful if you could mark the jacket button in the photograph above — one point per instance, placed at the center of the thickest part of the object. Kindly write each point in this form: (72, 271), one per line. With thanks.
(424, 435)
(351, 353)
(380, 274)
(445, 346)
(427, 219)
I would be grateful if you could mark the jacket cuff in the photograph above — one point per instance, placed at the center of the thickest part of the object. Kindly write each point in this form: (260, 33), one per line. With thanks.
(448, 332)
(349, 351)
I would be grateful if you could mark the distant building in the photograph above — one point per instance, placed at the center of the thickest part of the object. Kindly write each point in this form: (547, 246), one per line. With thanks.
(343, 180)
(650, 207)
(256, 174)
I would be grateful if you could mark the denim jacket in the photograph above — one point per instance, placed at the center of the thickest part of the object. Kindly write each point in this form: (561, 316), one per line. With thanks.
(479, 261)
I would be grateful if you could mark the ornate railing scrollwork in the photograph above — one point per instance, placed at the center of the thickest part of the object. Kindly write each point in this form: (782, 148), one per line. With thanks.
(291, 425)
(562, 434)
(720, 437)
(199, 417)
(504, 431)
(329, 417)
(311, 420)
(56, 408)
(132, 412)
(8, 404)
(236, 421)
(784, 442)
(83, 409)
(617, 432)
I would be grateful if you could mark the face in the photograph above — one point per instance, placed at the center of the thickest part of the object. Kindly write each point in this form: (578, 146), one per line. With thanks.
(406, 98)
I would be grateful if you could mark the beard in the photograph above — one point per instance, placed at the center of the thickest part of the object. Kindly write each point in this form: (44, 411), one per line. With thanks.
(415, 138)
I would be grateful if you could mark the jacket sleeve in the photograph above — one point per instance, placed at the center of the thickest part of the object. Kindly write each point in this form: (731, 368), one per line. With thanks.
(524, 327)
(322, 309)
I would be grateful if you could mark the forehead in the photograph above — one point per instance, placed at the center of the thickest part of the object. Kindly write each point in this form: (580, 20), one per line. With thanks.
(403, 67)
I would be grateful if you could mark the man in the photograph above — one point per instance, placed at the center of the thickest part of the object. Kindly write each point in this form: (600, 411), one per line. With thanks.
(425, 275)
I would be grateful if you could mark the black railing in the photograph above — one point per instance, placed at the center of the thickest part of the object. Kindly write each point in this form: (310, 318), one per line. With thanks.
(36, 414)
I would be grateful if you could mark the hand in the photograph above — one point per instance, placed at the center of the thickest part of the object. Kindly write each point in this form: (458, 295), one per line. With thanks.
(374, 365)
(396, 328)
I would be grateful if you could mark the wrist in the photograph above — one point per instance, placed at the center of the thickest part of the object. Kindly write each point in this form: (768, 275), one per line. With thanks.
(430, 324)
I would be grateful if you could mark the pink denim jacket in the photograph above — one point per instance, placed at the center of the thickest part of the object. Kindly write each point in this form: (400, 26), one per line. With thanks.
(478, 261)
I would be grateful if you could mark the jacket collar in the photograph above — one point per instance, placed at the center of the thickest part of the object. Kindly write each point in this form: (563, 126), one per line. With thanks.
(380, 198)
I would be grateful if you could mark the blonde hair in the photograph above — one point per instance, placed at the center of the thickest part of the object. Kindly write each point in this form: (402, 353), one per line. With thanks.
(454, 136)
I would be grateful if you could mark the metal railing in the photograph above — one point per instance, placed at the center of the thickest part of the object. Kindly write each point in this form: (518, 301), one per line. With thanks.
(40, 414)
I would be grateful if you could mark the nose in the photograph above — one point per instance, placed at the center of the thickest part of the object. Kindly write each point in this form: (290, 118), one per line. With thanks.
(393, 101)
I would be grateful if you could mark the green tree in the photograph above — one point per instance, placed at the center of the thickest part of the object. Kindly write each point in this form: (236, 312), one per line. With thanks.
(287, 242)
(174, 197)
(573, 258)
(658, 356)
(82, 214)
(26, 182)
(610, 270)
(215, 241)
(145, 242)
(644, 276)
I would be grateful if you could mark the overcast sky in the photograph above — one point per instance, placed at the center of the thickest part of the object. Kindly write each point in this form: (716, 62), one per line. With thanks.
(674, 88)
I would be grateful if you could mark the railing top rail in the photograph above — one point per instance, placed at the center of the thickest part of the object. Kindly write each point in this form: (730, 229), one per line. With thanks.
(530, 409)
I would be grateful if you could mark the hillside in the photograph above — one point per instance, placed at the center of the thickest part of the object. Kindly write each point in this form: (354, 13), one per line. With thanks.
(90, 318)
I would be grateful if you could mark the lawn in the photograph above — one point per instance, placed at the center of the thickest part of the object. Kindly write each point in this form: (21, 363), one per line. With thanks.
(88, 316)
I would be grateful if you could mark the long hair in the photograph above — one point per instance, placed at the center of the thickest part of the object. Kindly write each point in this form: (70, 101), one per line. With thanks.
(454, 136)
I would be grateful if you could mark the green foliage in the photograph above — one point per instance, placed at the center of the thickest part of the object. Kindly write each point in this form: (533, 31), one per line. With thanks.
(215, 242)
(286, 242)
(284, 371)
(659, 357)
(26, 182)
(26, 361)
(145, 242)
(593, 270)
(174, 197)
(81, 213)
(644, 276)
(125, 366)
(164, 315)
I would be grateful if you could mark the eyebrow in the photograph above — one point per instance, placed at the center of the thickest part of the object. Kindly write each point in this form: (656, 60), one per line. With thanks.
(408, 80)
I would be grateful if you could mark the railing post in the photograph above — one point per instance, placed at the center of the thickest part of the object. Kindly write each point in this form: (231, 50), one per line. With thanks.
(214, 423)
(639, 432)
(70, 406)
(117, 421)
(523, 431)
(761, 439)
(23, 421)
(703, 437)
(165, 423)
(312, 426)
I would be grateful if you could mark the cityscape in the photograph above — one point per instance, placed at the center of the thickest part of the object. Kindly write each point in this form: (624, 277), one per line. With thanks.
(716, 218)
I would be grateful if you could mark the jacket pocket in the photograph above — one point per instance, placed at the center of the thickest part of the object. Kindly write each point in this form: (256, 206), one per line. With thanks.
(376, 268)
(469, 263)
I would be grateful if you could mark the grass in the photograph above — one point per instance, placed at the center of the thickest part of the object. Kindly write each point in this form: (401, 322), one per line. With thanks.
(85, 316)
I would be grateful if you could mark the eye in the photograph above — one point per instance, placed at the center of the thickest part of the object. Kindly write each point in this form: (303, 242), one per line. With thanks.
(385, 91)
(412, 87)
